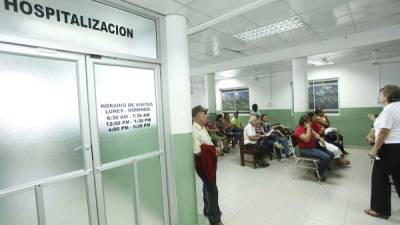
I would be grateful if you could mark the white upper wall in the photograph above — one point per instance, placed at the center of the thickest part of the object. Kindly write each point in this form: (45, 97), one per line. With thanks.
(198, 91)
(390, 74)
(358, 85)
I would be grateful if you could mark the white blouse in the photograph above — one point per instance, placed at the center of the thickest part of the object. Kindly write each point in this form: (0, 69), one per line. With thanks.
(389, 118)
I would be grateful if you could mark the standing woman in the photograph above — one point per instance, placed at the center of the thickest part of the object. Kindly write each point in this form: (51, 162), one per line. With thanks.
(386, 153)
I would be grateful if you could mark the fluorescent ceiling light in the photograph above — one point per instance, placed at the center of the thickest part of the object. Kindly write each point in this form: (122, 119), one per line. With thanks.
(271, 29)
(320, 62)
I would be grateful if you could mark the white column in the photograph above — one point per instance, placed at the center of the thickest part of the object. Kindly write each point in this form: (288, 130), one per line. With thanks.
(178, 74)
(178, 122)
(210, 93)
(299, 77)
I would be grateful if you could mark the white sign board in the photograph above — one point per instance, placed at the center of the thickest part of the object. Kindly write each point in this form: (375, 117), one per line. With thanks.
(79, 24)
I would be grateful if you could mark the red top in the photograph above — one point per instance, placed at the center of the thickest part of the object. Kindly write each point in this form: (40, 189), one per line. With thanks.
(302, 130)
(317, 127)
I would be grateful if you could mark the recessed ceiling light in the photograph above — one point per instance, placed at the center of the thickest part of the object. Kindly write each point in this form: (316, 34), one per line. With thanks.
(271, 29)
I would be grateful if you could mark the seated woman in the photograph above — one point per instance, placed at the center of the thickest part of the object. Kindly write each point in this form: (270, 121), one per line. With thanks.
(279, 140)
(220, 124)
(320, 133)
(323, 120)
(306, 142)
(213, 131)
(251, 138)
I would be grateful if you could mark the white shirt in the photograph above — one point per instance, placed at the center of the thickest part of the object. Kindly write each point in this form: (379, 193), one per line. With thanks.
(249, 130)
(200, 136)
(389, 118)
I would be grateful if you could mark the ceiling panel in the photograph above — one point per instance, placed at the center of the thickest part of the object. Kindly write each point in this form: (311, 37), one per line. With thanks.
(162, 6)
(378, 23)
(365, 5)
(270, 13)
(335, 31)
(303, 6)
(324, 18)
(197, 55)
(254, 51)
(195, 63)
(215, 8)
(185, 2)
(235, 25)
(229, 54)
(194, 18)
(270, 43)
(377, 12)
(299, 36)
(197, 46)
(220, 40)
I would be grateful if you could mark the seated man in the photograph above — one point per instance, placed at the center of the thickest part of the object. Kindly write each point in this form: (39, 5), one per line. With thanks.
(250, 137)
(306, 142)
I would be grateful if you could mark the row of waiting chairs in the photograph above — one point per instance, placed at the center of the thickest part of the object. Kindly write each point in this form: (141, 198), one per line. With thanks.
(300, 161)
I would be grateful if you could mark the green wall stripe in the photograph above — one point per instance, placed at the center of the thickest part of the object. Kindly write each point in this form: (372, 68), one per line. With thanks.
(211, 116)
(182, 149)
(354, 124)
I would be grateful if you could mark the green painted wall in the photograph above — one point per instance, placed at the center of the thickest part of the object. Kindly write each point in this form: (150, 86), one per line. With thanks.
(354, 124)
(211, 116)
(182, 147)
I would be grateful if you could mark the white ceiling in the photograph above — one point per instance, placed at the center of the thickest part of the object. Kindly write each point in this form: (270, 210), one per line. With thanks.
(324, 19)
(366, 54)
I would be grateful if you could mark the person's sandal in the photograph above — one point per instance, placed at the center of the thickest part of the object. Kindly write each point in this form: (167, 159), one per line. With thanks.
(371, 212)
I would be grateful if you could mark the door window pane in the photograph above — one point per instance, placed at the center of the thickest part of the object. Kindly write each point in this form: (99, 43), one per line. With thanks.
(39, 119)
(126, 111)
(61, 200)
(150, 189)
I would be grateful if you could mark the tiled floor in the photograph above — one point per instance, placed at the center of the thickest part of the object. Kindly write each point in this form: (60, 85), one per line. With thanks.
(270, 196)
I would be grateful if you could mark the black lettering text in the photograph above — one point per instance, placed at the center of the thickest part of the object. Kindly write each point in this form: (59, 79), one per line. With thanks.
(38, 10)
(122, 31)
(83, 22)
(13, 3)
(95, 23)
(66, 14)
(129, 33)
(49, 12)
(104, 27)
(111, 28)
(26, 7)
(58, 15)
(74, 20)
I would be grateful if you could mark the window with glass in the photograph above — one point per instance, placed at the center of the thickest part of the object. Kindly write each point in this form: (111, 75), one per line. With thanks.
(323, 94)
(235, 100)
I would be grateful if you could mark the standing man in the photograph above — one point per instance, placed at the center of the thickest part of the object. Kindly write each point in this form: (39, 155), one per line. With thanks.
(205, 157)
